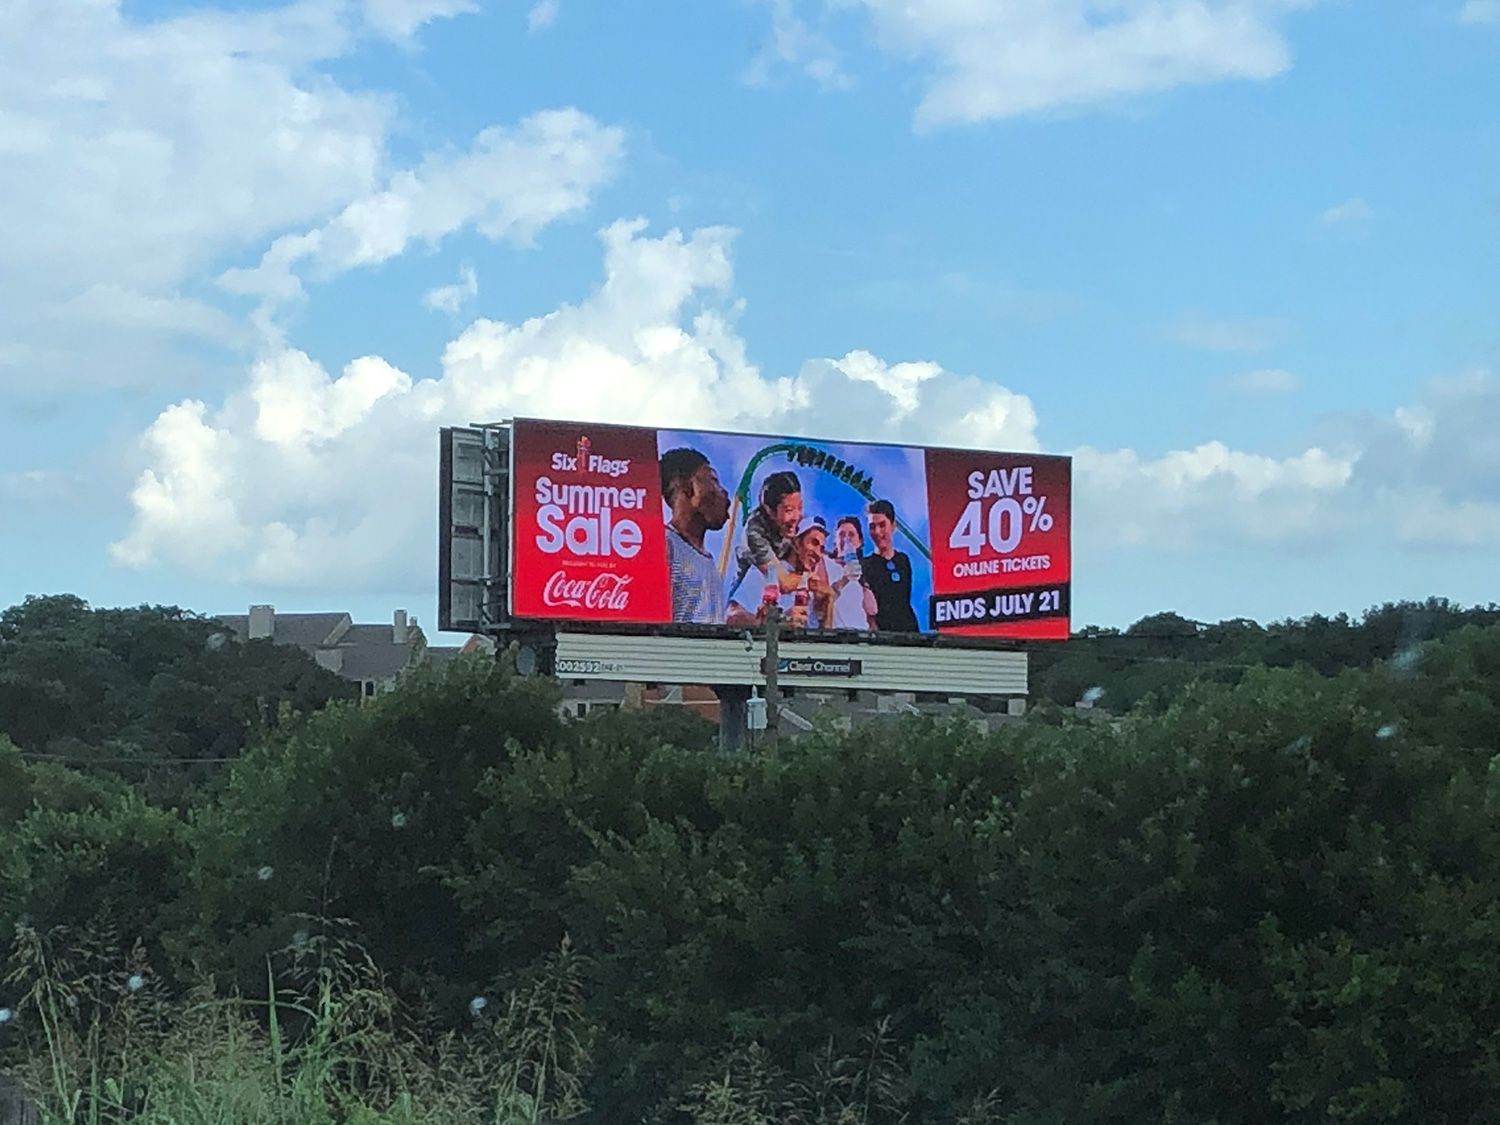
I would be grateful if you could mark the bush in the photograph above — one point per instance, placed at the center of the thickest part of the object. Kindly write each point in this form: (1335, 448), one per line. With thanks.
(1271, 900)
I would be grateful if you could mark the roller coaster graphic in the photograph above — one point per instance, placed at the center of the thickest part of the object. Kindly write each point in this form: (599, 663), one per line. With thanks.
(810, 457)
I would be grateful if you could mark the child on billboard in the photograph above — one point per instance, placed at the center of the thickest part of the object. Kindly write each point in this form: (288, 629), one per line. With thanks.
(769, 538)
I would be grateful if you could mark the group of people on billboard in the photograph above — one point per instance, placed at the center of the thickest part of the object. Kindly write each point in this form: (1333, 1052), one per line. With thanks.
(845, 575)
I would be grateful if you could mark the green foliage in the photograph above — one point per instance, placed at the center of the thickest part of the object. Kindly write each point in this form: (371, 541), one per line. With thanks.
(1269, 893)
(145, 693)
(15, 784)
(357, 813)
(1155, 659)
(89, 850)
(104, 1042)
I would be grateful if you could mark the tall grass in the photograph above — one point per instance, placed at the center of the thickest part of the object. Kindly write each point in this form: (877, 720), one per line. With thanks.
(97, 1040)
(867, 1085)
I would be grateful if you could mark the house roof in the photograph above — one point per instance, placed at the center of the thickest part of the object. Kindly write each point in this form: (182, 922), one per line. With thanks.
(442, 654)
(364, 652)
(306, 629)
(375, 662)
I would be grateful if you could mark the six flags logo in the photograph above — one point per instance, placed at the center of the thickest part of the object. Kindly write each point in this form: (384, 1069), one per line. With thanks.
(583, 460)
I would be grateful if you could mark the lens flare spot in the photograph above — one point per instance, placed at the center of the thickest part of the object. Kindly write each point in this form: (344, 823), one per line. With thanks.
(1405, 662)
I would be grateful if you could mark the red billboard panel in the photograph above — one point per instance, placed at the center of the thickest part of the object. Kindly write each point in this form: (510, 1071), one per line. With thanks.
(640, 526)
(1000, 543)
(587, 541)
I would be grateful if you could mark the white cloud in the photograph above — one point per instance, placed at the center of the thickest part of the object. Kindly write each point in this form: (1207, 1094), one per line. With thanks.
(306, 479)
(140, 154)
(509, 184)
(311, 480)
(1427, 477)
(135, 153)
(543, 14)
(792, 43)
(452, 298)
(1207, 493)
(1001, 58)
(1480, 11)
(183, 505)
(1252, 334)
(1354, 210)
(1263, 381)
(399, 20)
(116, 307)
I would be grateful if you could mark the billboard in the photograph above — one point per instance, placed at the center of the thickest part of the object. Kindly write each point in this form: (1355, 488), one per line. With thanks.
(701, 530)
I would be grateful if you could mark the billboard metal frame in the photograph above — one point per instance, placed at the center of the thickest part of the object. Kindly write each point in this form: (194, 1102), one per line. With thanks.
(496, 584)
(484, 493)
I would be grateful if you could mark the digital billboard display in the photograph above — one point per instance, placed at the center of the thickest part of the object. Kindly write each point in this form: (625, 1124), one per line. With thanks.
(642, 526)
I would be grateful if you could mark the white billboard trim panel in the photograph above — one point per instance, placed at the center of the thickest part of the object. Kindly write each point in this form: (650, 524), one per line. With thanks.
(711, 660)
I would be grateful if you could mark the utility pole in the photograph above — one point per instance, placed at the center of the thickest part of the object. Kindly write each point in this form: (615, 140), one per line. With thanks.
(773, 691)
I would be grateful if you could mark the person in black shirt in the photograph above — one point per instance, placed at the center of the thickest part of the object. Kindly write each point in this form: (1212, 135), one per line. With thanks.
(888, 572)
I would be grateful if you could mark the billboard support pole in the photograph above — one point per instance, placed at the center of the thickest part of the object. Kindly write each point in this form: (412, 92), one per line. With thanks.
(773, 688)
(733, 715)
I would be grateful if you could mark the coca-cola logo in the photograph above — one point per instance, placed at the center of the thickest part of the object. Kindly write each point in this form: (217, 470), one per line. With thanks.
(601, 591)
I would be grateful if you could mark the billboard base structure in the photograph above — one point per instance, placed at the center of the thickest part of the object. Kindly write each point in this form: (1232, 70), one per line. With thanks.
(734, 700)
(718, 661)
(737, 671)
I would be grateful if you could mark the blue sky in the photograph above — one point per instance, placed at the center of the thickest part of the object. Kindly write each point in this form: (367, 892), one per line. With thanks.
(1238, 257)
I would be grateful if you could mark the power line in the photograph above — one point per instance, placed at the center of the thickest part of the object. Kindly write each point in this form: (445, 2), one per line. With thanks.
(79, 759)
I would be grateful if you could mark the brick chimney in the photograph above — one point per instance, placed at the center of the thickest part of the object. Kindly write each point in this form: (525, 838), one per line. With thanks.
(398, 628)
(262, 622)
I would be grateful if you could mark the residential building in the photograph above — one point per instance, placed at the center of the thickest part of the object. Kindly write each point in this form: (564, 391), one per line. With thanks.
(374, 656)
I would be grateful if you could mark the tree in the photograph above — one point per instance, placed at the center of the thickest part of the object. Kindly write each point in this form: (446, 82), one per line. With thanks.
(145, 692)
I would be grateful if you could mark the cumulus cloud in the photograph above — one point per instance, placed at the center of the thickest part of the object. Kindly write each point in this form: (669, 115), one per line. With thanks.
(312, 480)
(1010, 57)
(140, 154)
(1263, 381)
(1252, 334)
(399, 20)
(134, 153)
(1354, 210)
(1426, 477)
(1209, 493)
(508, 185)
(1480, 11)
(792, 43)
(308, 479)
(543, 14)
(451, 298)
